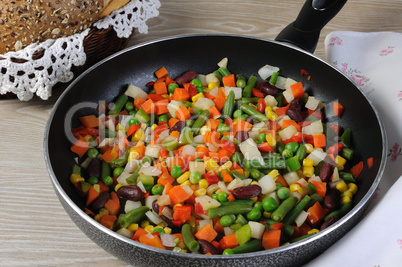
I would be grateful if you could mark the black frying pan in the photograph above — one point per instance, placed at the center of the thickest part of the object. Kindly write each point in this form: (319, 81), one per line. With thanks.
(136, 65)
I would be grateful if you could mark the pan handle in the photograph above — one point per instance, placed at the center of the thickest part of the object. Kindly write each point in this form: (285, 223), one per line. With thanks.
(304, 32)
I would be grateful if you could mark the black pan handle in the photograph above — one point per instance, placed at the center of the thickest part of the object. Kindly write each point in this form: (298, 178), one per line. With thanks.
(304, 32)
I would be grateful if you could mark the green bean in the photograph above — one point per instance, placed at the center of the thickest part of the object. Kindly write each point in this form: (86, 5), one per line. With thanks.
(314, 198)
(218, 75)
(105, 170)
(76, 170)
(121, 161)
(280, 146)
(188, 238)
(224, 71)
(232, 209)
(241, 81)
(279, 99)
(340, 212)
(274, 78)
(288, 230)
(251, 83)
(132, 179)
(202, 119)
(301, 238)
(108, 133)
(346, 137)
(228, 108)
(301, 152)
(347, 177)
(133, 216)
(253, 112)
(284, 208)
(347, 153)
(251, 246)
(247, 100)
(265, 164)
(141, 115)
(235, 174)
(118, 105)
(291, 216)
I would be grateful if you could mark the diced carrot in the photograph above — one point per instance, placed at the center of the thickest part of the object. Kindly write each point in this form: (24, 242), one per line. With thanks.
(155, 97)
(319, 140)
(218, 226)
(271, 239)
(88, 212)
(165, 178)
(162, 72)
(138, 101)
(181, 94)
(91, 196)
(151, 240)
(175, 134)
(304, 229)
(108, 220)
(178, 195)
(168, 187)
(229, 80)
(226, 176)
(214, 113)
(370, 162)
(220, 102)
(287, 123)
(297, 89)
(90, 121)
(209, 96)
(182, 212)
(357, 169)
(315, 214)
(201, 151)
(207, 232)
(338, 109)
(282, 111)
(139, 232)
(231, 197)
(113, 206)
(221, 92)
(186, 86)
(276, 226)
(242, 125)
(239, 170)
(228, 241)
(280, 179)
(172, 122)
(183, 113)
(213, 124)
(140, 149)
(80, 146)
(160, 88)
(161, 106)
(148, 106)
(132, 129)
(321, 187)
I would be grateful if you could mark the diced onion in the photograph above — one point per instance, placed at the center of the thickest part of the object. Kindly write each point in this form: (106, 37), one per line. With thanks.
(150, 170)
(152, 151)
(125, 232)
(267, 184)
(223, 62)
(314, 128)
(199, 139)
(250, 150)
(236, 90)
(291, 177)
(257, 229)
(152, 216)
(288, 132)
(227, 231)
(188, 150)
(270, 101)
(235, 184)
(135, 91)
(168, 240)
(214, 92)
(267, 71)
(167, 212)
(312, 103)
(301, 218)
(188, 189)
(130, 205)
(223, 187)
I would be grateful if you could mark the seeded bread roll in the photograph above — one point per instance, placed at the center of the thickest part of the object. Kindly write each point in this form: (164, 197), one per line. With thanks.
(23, 22)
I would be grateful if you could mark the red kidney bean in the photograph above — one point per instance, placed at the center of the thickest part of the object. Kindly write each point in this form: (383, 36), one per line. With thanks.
(186, 77)
(241, 135)
(130, 192)
(326, 172)
(296, 104)
(100, 201)
(332, 198)
(294, 115)
(94, 168)
(178, 126)
(246, 192)
(206, 247)
(155, 207)
(329, 222)
(249, 119)
(266, 88)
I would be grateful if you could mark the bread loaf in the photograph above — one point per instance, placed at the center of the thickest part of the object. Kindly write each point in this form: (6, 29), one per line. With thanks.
(23, 22)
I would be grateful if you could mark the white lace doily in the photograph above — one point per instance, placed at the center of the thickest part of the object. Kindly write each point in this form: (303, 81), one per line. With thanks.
(40, 75)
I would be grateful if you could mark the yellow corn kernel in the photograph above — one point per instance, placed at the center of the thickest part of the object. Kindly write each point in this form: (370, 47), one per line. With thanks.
(341, 186)
(308, 171)
(308, 162)
(117, 187)
(267, 109)
(133, 227)
(203, 183)
(235, 121)
(204, 129)
(352, 188)
(278, 138)
(200, 192)
(139, 135)
(212, 85)
(254, 199)
(184, 177)
(165, 96)
(340, 167)
(120, 127)
(211, 164)
(272, 116)
(255, 182)
(144, 126)
(149, 228)
(76, 178)
(267, 214)
(345, 200)
(186, 183)
(347, 193)
(340, 161)
(133, 155)
(97, 188)
(309, 148)
(167, 230)
(153, 127)
(270, 139)
(296, 188)
(177, 205)
(226, 166)
(158, 227)
(313, 231)
(88, 138)
(140, 143)
(197, 96)
(274, 173)
(144, 224)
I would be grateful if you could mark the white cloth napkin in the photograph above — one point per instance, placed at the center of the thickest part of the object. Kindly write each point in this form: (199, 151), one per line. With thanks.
(374, 62)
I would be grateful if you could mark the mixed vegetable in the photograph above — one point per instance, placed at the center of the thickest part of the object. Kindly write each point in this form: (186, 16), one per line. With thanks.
(216, 163)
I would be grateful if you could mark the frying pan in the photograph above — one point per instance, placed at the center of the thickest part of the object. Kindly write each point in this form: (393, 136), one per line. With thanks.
(136, 65)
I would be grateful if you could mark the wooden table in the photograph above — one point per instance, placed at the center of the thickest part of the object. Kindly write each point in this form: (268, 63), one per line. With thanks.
(34, 228)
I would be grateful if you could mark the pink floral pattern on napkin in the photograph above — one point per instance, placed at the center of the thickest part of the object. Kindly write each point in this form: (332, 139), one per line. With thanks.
(399, 95)
(387, 51)
(354, 74)
(335, 41)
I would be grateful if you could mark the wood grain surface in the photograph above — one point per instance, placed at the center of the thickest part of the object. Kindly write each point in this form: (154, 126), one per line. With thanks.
(34, 228)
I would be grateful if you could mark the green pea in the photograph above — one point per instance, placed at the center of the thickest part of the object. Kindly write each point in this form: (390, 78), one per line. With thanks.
(176, 171)
(269, 204)
(223, 196)
(278, 186)
(132, 121)
(244, 117)
(199, 112)
(159, 230)
(228, 251)
(196, 82)
(195, 177)
(247, 172)
(262, 137)
(220, 120)
(222, 128)
(287, 153)
(92, 152)
(254, 214)
(163, 117)
(283, 193)
(108, 181)
(129, 106)
(237, 114)
(215, 196)
(172, 87)
(199, 89)
(157, 189)
(258, 205)
(292, 146)
(255, 173)
(132, 112)
(237, 157)
(226, 220)
(92, 180)
(118, 171)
